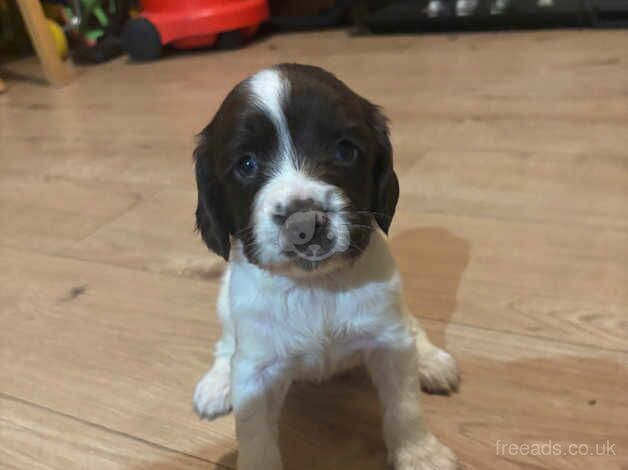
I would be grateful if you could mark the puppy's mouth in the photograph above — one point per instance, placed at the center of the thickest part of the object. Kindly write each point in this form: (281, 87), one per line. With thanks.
(310, 237)
(305, 264)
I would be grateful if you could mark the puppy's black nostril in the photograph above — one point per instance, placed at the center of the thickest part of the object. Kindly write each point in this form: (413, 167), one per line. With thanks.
(279, 209)
(321, 219)
(279, 219)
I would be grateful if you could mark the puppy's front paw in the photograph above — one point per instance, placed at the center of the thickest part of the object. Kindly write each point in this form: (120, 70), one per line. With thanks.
(212, 397)
(438, 371)
(428, 454)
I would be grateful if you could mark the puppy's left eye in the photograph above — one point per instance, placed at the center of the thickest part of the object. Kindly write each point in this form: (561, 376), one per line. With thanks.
(346, 152)
(247, 166)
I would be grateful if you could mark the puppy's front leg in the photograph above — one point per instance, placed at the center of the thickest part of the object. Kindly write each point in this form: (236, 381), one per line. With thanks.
(258, 392)
(438, 371)
(212, 397)
(393, 369)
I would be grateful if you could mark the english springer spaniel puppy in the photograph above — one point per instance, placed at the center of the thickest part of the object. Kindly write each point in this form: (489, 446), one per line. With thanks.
(296, 190)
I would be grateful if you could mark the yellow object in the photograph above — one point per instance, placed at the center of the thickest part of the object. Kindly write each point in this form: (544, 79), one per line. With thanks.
(61, 42)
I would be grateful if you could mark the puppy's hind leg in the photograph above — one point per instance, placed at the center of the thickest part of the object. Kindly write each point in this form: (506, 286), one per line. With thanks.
(438, 371)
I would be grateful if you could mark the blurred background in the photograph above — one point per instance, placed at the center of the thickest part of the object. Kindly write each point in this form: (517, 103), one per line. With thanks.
(509, 125)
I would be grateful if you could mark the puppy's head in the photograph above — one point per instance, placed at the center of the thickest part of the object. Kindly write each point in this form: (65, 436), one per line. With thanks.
(298, 168)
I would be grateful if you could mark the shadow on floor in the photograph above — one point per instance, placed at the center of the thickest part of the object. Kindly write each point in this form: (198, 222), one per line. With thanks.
(432, 262)
(335, 425)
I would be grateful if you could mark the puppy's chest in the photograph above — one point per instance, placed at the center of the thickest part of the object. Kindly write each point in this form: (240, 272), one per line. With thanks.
(315, 320)
(320, 339)
(314, 332)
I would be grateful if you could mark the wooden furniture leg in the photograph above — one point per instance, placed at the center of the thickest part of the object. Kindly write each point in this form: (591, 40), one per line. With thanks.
(3, 87)
(56, 72)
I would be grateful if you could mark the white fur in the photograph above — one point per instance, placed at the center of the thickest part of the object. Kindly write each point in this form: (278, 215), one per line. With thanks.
(287, 329)
(269, 90)
(282, 325)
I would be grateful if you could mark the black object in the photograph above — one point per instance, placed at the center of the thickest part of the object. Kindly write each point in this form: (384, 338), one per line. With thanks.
(392, 16)
(107, 48)
(610, 13)
(325, 19)
(408, 16)
(402, 17)
(230, 40)
(141, 40)
(108, 45)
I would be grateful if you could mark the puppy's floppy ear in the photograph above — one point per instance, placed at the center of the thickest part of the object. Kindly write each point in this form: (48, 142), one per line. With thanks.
(385, 183)
(211, 213)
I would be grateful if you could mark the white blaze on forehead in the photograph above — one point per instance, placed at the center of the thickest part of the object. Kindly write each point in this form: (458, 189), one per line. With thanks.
(269, 89)
(288, 181)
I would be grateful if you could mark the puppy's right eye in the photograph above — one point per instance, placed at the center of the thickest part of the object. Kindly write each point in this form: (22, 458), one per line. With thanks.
(247, 167)
(346, 152)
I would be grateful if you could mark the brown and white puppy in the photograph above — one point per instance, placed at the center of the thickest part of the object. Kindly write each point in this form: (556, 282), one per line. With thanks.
(296, 189)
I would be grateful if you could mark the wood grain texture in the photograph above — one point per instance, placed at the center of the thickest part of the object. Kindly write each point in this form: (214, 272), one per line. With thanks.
(38, 438)
(50, 213)
(144, 339)
(511, 236)
(143, 238)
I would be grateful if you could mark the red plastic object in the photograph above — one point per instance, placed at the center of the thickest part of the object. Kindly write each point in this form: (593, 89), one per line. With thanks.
(197, 23)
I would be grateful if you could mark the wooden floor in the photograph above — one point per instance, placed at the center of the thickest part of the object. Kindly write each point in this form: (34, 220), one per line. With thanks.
(512, 235)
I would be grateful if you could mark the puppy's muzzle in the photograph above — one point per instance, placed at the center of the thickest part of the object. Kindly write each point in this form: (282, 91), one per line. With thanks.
(305, 229)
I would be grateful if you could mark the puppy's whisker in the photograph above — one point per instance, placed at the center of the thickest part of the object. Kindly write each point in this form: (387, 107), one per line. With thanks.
(360, 226)
(244, 230)
(374, 213)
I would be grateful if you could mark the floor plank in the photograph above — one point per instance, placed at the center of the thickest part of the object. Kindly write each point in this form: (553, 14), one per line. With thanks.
(156, 235)
(138, 342)
(38, 438)
(550, 188)
(47, 214)
(545, 98)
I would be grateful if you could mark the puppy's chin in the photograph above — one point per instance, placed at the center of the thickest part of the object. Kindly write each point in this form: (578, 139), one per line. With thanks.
(299, 268)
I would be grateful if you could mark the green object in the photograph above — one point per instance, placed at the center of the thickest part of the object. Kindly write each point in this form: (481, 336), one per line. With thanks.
(95, 8)
(94, 18)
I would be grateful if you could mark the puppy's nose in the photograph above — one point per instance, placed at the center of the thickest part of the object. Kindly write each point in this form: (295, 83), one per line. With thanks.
(304, 222)
(282, 212)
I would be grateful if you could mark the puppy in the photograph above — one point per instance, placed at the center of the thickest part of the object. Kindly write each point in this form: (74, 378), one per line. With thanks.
(296, 189)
